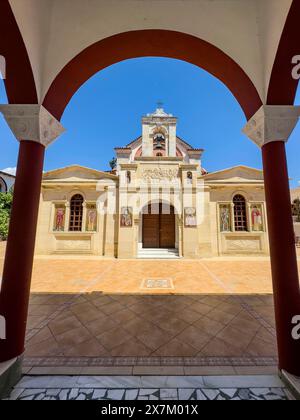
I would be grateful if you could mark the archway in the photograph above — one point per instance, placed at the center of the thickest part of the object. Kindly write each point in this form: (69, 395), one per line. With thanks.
(94, 58)
(3, 186)
(151, 43)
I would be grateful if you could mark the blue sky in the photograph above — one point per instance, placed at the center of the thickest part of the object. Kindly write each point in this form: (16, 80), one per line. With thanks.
(106, 112)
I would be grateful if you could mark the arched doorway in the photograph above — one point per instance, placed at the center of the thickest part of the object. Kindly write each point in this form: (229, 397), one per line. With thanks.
(158, 226)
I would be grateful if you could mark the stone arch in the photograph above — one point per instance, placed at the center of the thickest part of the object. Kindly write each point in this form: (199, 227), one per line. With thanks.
(150, 43)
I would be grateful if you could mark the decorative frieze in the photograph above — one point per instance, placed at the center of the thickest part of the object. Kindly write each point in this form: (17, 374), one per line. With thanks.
(160, 174)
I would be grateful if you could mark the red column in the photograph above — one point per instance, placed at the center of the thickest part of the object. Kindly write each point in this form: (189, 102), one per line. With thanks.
(283, 254)
(15, 290)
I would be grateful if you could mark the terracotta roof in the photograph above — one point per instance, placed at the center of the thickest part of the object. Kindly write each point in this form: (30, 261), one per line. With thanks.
(195, 150)
(133, 141)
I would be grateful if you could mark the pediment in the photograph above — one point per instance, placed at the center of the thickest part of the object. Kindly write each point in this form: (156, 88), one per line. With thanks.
(237, 174)
(76, 173)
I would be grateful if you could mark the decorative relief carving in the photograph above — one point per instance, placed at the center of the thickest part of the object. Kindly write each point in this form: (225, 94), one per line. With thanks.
(73, 244)
(239, 244)
(32, 122)
(272, 123)
(160, 174)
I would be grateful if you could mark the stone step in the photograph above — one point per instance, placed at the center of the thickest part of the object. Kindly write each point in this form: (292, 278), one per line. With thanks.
(158, 253)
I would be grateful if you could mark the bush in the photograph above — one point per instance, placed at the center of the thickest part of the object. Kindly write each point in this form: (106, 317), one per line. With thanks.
(5, 209)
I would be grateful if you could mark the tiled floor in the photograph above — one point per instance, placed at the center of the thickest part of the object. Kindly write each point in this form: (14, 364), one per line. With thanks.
(151, 388)
(126, 276)
(94, 308)
(101, 325)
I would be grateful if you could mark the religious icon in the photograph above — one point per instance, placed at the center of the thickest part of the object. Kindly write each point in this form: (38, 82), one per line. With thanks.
(225, 218)
(189, 178)
(256, 218)
(91, 218)
(59, 219)
(126, 217)
(190, 217)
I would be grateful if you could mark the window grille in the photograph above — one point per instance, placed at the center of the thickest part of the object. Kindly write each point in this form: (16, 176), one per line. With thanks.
(240, 213)
(76, 212)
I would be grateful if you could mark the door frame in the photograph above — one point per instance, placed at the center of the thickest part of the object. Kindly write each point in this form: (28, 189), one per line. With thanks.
(141, 227)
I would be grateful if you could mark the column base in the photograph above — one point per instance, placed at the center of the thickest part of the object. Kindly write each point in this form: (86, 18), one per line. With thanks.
(10, 374)
(292, 382)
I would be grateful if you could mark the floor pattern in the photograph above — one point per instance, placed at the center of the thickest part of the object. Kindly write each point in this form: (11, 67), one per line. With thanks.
(194, 394)
(94, 308)
(110, 326)
(151, 388)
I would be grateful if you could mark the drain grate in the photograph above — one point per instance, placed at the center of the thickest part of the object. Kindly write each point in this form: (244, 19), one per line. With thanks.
(158, 284)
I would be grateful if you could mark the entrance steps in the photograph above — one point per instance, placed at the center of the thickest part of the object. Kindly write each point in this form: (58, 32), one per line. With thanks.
(158, 253)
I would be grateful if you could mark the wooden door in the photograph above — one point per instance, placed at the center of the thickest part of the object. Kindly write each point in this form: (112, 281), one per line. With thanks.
(150, 230)
(167, 230)
(159, 229)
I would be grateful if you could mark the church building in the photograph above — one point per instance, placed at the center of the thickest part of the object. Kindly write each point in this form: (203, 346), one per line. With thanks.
(157, 202)
(7, 181)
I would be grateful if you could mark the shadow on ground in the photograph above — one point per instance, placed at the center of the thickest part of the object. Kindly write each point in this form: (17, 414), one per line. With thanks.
(156, 326)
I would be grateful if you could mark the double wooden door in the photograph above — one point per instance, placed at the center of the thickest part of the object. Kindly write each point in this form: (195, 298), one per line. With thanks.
(159, 228)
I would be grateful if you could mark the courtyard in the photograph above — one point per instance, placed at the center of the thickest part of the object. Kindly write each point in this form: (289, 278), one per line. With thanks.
(101, 315)
(151, 262)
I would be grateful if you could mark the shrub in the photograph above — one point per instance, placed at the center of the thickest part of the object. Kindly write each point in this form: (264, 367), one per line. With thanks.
(5, 209)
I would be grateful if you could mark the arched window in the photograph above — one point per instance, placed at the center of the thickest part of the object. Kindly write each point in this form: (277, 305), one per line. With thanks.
(76, 212)
(159, 143)
(128, 177)
(240, 213)
(3, 187)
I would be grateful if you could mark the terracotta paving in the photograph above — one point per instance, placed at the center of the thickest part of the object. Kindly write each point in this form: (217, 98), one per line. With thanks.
(91, 308)
(101, 325)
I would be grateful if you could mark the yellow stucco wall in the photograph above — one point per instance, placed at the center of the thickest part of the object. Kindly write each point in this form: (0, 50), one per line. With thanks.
(112, 240)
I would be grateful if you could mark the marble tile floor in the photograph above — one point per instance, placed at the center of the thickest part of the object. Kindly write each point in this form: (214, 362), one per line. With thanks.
(168, 388)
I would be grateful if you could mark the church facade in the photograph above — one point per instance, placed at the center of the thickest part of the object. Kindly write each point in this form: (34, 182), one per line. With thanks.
(157, 202)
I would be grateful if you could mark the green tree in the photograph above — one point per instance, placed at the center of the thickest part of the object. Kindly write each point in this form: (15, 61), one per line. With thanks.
(5, 209)
(296, 209)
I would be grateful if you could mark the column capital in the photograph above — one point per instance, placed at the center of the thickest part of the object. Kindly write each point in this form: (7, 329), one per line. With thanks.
(32, 122)
(272, 123)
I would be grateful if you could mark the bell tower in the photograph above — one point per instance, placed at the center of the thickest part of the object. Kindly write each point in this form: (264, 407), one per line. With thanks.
(159, 133)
